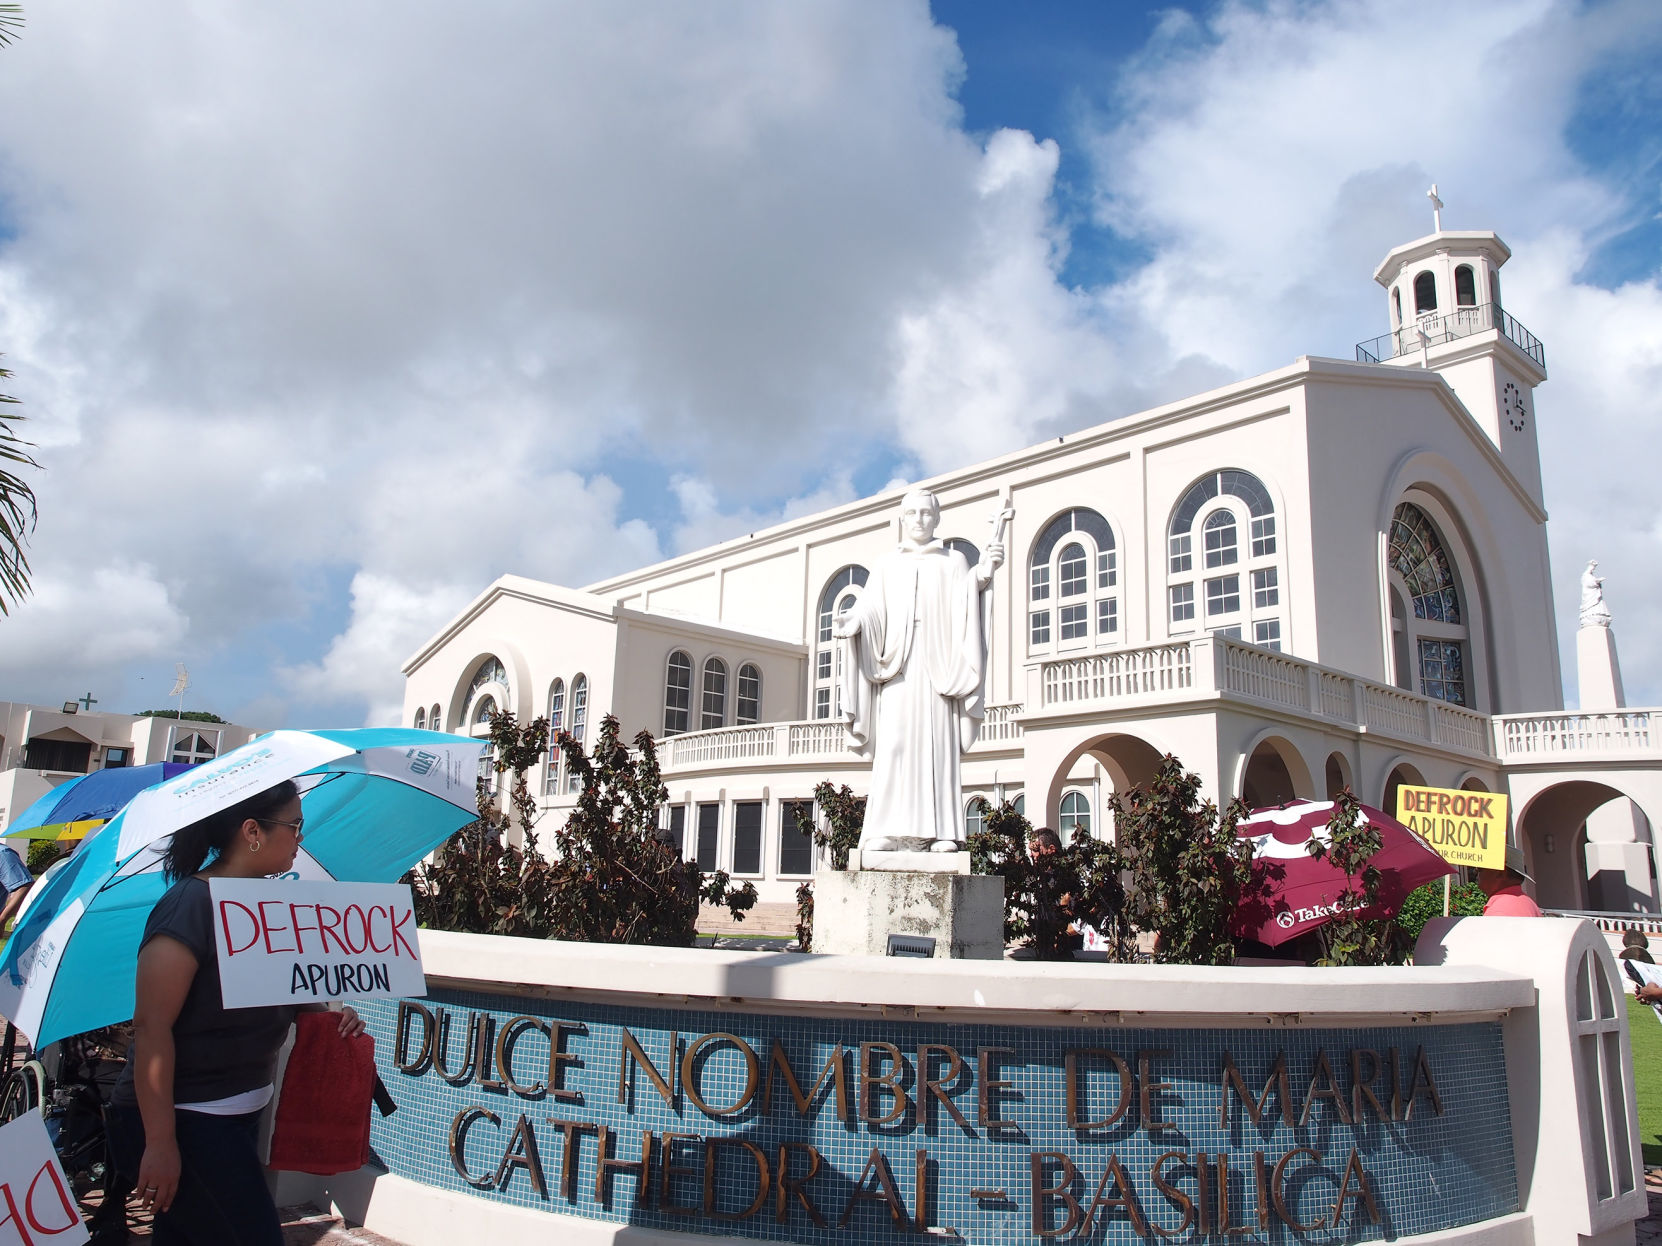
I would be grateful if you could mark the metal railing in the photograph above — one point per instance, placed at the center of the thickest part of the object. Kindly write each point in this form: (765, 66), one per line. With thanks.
(1449, 327)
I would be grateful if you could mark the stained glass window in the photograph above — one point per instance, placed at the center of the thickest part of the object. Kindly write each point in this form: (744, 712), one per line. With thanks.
(1417, 554)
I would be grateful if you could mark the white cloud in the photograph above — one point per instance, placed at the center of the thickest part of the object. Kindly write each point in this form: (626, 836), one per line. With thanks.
(87, 626)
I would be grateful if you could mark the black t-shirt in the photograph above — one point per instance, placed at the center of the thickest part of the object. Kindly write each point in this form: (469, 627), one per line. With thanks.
(218, 1052)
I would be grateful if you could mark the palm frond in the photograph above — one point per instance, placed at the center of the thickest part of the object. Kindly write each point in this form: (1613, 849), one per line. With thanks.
(11, 21)
(18, 510)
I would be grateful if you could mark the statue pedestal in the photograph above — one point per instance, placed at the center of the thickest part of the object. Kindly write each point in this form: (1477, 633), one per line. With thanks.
(913, 895)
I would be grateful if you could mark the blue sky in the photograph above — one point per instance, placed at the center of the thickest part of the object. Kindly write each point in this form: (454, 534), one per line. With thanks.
(322, 325)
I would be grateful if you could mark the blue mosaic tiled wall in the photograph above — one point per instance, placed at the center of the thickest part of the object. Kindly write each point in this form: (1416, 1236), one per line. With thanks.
(1424, 1169)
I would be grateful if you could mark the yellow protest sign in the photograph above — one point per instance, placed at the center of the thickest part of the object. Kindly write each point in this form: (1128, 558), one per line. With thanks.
(1467, 828)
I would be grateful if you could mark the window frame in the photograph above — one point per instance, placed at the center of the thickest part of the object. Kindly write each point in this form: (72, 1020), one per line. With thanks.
(751, 673)
(1072, 567)
(716, 667)
(677, 718)
(1231, 515)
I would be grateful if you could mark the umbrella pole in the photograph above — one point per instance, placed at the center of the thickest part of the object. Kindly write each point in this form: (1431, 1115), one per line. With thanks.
(1446, 890)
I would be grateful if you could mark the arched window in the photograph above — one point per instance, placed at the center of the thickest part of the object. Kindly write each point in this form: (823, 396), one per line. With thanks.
(556, 724)
(839, 594)
(1236, 588)
(975, 816)
(490, 675)
(579, 719)
(1019, 804)
(1429, 628)
(483, 708)
(1075, 816)
(1220, 538)
(1073, 583)
(192, 749)
(713, 703)
(678, 694)
(1425, 293)
(1396, 307)
(749, 705)
(1465, 287)
(970, 553)
(435, 721)
(491, 671)
(421, 718)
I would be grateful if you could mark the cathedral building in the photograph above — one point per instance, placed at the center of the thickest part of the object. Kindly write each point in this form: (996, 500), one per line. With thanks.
(1330, 575)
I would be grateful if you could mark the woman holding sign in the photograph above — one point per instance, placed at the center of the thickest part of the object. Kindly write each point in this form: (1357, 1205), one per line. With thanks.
(184, 1115)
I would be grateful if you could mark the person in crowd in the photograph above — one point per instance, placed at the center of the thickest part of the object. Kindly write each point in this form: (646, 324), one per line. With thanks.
(1505, 889)
(15, 881)
(1636, 946)
(1054, 935)
(184, 1114)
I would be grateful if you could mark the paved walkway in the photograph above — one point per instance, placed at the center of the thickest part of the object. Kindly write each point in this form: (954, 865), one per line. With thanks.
(1650, 1228)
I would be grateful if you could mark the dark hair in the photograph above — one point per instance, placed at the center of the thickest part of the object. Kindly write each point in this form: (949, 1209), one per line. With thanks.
(188, 851)
(1635, 938)
(1044, 835)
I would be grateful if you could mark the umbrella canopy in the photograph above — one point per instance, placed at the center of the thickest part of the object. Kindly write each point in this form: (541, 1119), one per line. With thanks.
(1293, 893)
(375, 801)
(71, 810)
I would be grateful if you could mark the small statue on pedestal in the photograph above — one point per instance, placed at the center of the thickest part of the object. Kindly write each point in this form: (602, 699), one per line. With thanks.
(1594, 613)
(913, 679)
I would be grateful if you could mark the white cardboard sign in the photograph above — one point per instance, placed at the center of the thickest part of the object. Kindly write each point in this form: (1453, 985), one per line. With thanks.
(282, 941)
(36, 1203)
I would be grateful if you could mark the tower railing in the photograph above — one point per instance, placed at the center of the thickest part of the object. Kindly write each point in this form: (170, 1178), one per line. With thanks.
(1449, 327)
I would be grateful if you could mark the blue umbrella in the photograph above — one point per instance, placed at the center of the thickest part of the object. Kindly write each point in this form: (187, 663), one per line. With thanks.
(71, 810)
(375, 800)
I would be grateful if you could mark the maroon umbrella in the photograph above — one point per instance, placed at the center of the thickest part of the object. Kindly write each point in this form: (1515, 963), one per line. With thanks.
(1293, 893)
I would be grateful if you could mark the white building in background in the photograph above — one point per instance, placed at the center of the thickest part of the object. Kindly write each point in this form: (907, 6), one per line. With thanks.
(42, 746)
(1333, 574)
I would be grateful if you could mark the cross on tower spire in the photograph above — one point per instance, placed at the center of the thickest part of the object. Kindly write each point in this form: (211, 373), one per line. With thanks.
(1436, 209)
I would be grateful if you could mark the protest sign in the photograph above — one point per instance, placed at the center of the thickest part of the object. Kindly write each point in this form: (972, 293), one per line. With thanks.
(289, 942)
(1466, 828)
(36, 1204)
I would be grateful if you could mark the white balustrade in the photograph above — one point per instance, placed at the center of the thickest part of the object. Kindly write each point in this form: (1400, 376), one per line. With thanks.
(1519, 736)
(1000, 725)
(1113, 676)
(827, 738)
(1264, 675)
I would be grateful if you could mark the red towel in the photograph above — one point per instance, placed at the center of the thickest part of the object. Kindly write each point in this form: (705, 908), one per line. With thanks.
(322, 1121)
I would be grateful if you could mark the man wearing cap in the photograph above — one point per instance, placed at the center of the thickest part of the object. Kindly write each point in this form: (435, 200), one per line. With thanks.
(1504, 887)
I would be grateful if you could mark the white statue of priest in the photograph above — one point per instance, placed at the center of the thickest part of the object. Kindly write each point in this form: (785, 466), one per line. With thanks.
(914, 676)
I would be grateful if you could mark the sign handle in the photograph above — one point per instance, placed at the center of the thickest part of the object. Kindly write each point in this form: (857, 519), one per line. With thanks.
(1446, 890)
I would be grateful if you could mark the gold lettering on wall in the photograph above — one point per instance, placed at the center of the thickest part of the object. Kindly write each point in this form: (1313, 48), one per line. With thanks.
(991, 1089)
(459, 1125)
(408, 1012)
(833, 1068)
(505, 1040)
(932, 1089)
(1234, 1085)
(712, 1159)
(791, 1187)
(690, 1067)
(872, 1082)
(1149, 1089)
(633, 1057)
(1074, 1089)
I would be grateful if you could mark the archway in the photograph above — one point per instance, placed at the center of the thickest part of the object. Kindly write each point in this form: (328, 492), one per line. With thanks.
(1129, 762)
(1336, 775)
(1274, 773)
(1401, 773)
(1569, 872)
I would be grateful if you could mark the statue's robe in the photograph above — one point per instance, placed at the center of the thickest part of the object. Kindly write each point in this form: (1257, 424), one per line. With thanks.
(913, 689)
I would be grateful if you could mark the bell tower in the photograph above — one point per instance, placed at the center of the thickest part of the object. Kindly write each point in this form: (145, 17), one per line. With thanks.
(1442, 293)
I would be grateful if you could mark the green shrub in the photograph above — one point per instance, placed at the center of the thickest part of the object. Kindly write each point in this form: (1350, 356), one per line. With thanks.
(1424, 903)
(43, 852)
